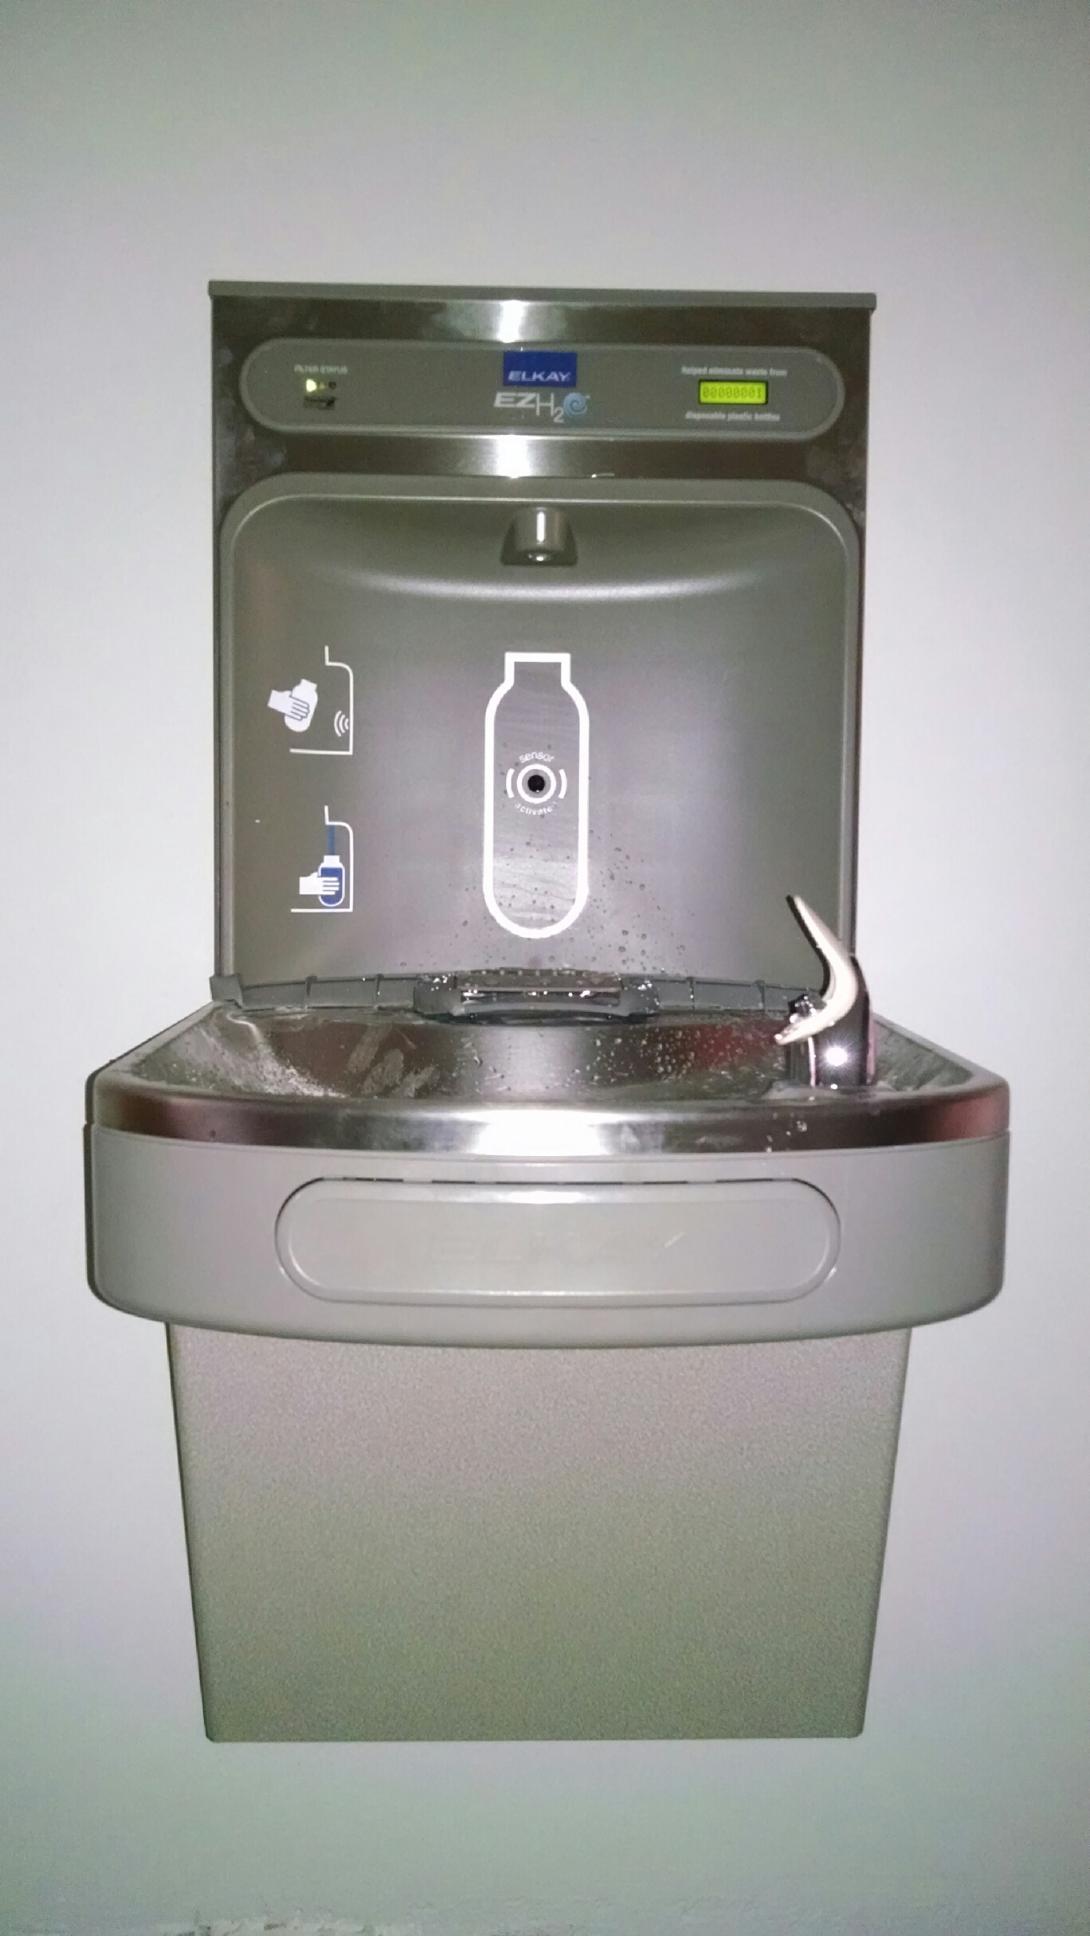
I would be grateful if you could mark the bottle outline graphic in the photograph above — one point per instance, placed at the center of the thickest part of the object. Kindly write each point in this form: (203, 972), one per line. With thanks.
(511, 662)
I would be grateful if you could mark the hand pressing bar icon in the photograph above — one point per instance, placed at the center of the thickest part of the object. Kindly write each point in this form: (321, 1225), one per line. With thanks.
(297, 705)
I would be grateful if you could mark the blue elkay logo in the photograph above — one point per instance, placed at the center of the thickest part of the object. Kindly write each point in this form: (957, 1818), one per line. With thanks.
(540, 369)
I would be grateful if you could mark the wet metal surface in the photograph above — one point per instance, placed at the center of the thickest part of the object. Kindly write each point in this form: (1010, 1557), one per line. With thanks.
(349, 1079)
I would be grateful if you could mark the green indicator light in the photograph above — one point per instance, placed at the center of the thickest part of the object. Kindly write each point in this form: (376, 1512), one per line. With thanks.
(318, 393)
(733, 392)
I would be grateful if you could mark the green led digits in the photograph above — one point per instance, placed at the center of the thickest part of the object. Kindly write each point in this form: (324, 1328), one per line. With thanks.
(733, 392)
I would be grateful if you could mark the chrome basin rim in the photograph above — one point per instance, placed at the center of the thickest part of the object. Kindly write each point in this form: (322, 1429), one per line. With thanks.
(799, 1120)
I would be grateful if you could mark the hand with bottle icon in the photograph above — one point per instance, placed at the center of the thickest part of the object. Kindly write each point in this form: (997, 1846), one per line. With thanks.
(328, 882)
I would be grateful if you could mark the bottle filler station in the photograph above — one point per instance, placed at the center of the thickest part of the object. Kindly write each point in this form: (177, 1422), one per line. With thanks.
(538, 1214)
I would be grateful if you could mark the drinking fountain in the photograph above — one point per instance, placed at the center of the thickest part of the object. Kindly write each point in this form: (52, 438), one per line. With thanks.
(537, 1211)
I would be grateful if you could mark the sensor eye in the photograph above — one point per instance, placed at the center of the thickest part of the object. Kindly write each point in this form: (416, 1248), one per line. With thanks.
(536, 783)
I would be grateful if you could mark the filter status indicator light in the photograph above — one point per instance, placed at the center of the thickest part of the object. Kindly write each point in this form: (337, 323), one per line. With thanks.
(715, 391)
(318, 392)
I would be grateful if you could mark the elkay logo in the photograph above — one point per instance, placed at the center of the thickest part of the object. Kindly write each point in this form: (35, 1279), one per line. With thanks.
(540, 369)
(532, 379)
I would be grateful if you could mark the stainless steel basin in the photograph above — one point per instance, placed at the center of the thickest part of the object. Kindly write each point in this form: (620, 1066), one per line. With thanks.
(352, 1079)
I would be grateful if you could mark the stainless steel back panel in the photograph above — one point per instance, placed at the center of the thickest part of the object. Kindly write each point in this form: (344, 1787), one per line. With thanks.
(731, 391)
(693, 334)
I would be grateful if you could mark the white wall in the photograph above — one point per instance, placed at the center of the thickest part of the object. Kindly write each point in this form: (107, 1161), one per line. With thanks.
(936, 153)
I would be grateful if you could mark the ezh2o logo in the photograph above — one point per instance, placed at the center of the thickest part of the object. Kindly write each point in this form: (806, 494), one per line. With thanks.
(531, 379)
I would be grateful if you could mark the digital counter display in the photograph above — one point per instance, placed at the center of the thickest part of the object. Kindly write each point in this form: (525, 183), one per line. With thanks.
(716, 392)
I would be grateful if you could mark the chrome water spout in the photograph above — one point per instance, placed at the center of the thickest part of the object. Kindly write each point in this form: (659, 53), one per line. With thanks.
(829, 1038)
(539, 534)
